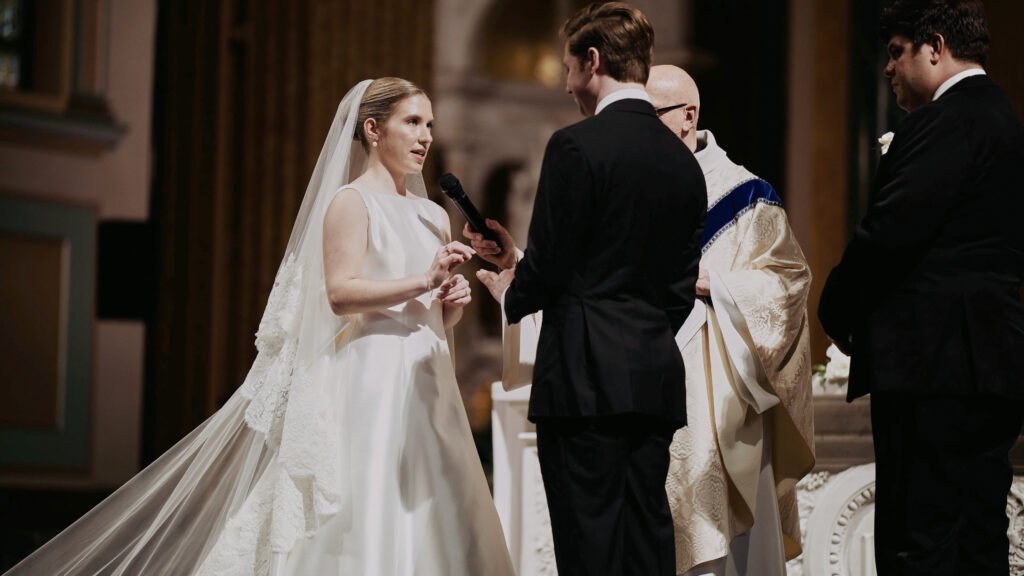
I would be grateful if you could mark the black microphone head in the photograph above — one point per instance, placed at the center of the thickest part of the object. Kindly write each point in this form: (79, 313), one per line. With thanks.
(450, 185)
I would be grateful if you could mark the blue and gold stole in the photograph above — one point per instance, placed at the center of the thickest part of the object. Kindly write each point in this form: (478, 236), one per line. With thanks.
(726, 211)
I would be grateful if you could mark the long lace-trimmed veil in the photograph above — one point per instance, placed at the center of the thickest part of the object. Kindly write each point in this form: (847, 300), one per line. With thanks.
(237, 493)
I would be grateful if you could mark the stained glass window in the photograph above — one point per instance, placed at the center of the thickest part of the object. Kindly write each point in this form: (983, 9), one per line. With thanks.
(10, 19)
(12, 44)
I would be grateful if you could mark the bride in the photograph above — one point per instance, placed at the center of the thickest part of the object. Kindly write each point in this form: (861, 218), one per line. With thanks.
(347, 449)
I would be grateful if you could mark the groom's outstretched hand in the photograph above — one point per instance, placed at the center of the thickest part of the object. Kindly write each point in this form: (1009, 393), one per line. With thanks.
(496, 283)
(488, 249)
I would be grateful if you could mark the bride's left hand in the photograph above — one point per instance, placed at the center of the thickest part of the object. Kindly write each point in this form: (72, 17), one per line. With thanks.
(455, 291)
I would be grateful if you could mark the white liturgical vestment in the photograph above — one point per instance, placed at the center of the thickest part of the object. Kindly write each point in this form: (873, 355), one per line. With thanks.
(750, 434)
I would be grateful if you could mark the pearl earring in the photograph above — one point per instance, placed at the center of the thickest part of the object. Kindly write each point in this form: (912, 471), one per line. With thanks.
(374, 143)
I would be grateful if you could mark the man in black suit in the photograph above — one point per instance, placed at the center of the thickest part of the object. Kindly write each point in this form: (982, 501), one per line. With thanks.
(612, 261)
(927, 300)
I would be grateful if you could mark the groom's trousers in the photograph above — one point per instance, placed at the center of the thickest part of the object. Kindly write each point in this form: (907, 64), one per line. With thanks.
(942, 476)
(605, 483)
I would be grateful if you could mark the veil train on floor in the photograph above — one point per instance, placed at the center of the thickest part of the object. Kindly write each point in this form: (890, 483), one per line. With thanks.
(237, 493)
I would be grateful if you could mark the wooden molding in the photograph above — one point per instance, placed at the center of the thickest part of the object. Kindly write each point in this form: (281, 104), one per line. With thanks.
(82, 133)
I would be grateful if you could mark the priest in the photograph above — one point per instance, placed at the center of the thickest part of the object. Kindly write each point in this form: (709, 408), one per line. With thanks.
(750, 432)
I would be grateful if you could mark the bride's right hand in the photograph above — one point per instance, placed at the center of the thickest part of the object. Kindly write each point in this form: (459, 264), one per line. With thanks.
(445, 260)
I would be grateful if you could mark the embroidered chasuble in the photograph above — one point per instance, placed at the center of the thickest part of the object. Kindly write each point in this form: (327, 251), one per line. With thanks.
(748, 372)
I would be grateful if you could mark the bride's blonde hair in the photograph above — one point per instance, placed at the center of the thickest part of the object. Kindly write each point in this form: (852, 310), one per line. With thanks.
(379, 102)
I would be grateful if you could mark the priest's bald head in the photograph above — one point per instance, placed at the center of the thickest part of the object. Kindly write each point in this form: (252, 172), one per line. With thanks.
(675, 96)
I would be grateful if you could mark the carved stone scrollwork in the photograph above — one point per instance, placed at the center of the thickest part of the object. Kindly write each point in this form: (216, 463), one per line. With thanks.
(837, 520)
(837, 516)
(807, 492)
(1015, 512)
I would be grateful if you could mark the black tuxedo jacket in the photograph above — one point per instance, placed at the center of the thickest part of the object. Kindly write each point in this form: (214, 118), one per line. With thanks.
(612, 260)
(928, 291)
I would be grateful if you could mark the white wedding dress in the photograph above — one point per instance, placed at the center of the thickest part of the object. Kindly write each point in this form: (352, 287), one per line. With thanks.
(346, 451)
(421, 502)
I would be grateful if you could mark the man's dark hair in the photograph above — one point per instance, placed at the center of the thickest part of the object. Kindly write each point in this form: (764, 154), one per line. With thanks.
(622, 35)
(961, 22)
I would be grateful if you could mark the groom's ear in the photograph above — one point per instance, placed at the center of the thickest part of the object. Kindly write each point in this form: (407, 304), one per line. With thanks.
(593, 61)
(938, 46)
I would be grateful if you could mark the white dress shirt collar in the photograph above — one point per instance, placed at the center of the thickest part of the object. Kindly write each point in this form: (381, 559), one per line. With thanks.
(624, 94)
(956, 78)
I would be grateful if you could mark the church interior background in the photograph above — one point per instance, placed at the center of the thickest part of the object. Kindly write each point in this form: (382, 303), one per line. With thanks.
(153, 155)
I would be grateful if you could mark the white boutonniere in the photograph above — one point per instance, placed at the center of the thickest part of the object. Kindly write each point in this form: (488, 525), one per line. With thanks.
(885, 140)
(833, 378)
(838, 368)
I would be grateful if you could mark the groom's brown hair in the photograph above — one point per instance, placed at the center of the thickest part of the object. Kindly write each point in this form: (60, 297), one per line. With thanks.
(621, 34)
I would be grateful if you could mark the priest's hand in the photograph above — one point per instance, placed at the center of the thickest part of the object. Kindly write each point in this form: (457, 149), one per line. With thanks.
(496, 283)
(488, 249)
(703, 282)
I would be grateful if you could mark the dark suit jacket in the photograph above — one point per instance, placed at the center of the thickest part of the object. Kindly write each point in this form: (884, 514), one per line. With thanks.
(928, 291)
(612, 260)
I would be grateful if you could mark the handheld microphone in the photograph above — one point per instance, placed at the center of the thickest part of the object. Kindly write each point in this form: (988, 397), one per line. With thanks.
(453, 189)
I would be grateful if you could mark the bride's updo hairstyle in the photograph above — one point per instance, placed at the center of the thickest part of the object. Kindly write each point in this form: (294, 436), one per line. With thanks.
(379, 102)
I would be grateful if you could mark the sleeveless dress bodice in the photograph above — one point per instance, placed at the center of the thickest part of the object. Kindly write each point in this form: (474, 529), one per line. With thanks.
(403, 235)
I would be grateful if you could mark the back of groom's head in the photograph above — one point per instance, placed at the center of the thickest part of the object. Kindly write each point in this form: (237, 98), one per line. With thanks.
(961, 23)
(621, 34)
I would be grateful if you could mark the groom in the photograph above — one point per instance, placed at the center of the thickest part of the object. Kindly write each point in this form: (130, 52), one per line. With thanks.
(612, 260)
(926, 299)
